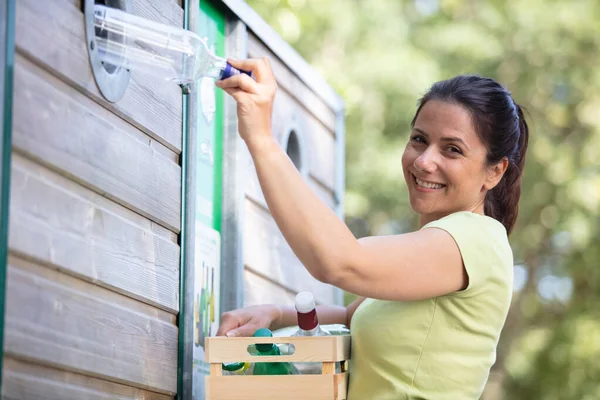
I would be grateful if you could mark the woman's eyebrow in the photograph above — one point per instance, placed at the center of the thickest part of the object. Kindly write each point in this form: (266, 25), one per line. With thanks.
(445, 138)
(421, 131)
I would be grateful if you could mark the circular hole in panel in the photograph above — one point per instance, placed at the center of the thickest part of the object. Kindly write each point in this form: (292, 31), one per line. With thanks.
(294, 150)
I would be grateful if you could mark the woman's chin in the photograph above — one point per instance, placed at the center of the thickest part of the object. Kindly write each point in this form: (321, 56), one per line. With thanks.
(423, 207)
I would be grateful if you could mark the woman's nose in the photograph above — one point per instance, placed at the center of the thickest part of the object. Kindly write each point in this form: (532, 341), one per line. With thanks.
(425, 162)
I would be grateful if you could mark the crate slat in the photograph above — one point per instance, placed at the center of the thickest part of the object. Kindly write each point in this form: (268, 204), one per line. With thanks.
(307, 349)
(288, 387)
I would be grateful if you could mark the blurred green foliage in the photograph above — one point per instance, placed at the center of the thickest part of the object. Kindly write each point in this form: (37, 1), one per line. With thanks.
(382, 55)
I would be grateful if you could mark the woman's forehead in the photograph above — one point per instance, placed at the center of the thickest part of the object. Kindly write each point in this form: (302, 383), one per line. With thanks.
(444, 119)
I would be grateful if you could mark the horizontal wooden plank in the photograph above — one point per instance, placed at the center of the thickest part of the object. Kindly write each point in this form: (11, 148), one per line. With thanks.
(258, 290)
(253, 190)
(319, 145)
(267, 253)
(60, 127)
(52, 33)
(306, 349)
(292, 84)
(164, 11)
(290, 387)
(71, 228)
(57, 320)
(24, 381)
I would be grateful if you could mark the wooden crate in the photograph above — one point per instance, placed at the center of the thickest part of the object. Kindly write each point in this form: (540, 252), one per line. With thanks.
(327, 386)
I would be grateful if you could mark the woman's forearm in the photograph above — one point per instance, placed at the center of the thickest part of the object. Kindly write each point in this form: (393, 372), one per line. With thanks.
(314, 232)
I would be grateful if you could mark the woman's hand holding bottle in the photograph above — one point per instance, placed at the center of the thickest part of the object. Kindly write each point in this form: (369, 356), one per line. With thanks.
(254, 100)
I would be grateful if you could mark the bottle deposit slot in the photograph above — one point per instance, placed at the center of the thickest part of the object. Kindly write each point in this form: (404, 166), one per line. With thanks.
(293, 143)
(111, 79)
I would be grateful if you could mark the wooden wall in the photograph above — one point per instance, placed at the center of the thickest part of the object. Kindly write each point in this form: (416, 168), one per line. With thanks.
(272, 273)
(93, 276)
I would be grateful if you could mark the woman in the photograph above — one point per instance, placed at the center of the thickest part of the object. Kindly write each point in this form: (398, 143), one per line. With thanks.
(432, 302)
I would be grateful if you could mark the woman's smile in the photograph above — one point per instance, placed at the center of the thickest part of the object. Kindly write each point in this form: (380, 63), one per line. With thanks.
(427, 186)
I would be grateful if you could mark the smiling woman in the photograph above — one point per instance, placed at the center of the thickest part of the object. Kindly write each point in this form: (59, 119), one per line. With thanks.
(433, 302)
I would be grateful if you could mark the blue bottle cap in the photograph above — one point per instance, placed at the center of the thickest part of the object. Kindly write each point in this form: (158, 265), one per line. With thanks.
(230, 71)
(264, 347)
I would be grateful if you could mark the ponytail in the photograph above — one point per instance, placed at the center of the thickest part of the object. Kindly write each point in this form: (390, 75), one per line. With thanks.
(502, 202)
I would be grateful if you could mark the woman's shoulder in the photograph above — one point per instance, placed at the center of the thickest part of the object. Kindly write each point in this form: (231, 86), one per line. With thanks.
(470, 221)
(482, 241)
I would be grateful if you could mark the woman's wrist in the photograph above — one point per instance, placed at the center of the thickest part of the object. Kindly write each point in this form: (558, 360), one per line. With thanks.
(277, 316)
(262, 144)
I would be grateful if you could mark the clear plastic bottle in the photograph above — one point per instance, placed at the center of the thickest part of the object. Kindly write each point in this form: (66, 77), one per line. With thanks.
(128, 41)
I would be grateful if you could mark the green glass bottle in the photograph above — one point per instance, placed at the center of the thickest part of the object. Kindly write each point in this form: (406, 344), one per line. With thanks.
(236, 368)
(270, 349)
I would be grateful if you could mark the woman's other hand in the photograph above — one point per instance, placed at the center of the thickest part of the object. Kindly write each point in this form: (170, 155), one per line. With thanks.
(246, 321)
(254, 98)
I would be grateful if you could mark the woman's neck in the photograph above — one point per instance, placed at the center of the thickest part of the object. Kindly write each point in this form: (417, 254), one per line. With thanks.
(424, 219)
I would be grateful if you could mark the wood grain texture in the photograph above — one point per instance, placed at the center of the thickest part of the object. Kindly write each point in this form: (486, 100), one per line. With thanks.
(307, 349)
(60, 321)
(26, 381)
(63, 129)
(51, 32)
(66, 226)
(253, 190)
(289, 387)
(288, 81)
(258, 290)
(168, 12)
(328, 368)
(319, 144)
(267, 253)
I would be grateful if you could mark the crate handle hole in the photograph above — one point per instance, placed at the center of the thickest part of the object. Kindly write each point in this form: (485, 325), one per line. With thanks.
(287, 349)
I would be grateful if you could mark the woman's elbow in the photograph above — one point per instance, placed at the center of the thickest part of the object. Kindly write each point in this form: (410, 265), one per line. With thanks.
(337, 275)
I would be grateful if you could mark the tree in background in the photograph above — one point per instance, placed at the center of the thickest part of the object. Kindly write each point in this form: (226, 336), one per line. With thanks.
(381, 55)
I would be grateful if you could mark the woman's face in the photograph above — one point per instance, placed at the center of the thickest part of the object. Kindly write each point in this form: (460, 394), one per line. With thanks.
(445, 164)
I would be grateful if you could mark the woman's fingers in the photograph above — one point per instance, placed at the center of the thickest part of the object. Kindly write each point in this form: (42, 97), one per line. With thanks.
(229, 321)
(237, 94)
(243, 331)
(260, 68)
(241, 81)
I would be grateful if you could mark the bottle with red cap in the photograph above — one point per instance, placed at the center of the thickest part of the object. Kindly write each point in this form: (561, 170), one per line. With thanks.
(308, 325)
(308, 322)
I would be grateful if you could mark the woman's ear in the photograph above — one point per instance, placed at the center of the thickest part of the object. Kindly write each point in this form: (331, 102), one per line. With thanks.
(495, 173)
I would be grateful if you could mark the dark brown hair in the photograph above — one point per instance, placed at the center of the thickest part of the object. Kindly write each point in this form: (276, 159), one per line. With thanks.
(501, 125)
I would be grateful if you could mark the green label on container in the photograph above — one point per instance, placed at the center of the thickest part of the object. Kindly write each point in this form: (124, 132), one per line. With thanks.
(211, 25)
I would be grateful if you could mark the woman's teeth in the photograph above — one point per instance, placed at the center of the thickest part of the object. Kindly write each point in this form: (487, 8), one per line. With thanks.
(429, 185)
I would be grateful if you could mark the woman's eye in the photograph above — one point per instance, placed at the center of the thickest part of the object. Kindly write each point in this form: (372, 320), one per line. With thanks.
(417, 139)
(455, 149)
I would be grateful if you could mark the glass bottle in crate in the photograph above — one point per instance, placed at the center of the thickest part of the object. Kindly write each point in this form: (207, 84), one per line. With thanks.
(308, 325)
(270, 349)
(308, 322)
(237, 368)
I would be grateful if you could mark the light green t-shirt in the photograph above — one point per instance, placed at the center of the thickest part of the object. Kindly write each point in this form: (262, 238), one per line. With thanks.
(440, 348)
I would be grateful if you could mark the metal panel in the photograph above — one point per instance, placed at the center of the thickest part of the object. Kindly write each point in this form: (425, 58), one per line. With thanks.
(7, 51)
(187, 236)
(340, 175)
(232, 259)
